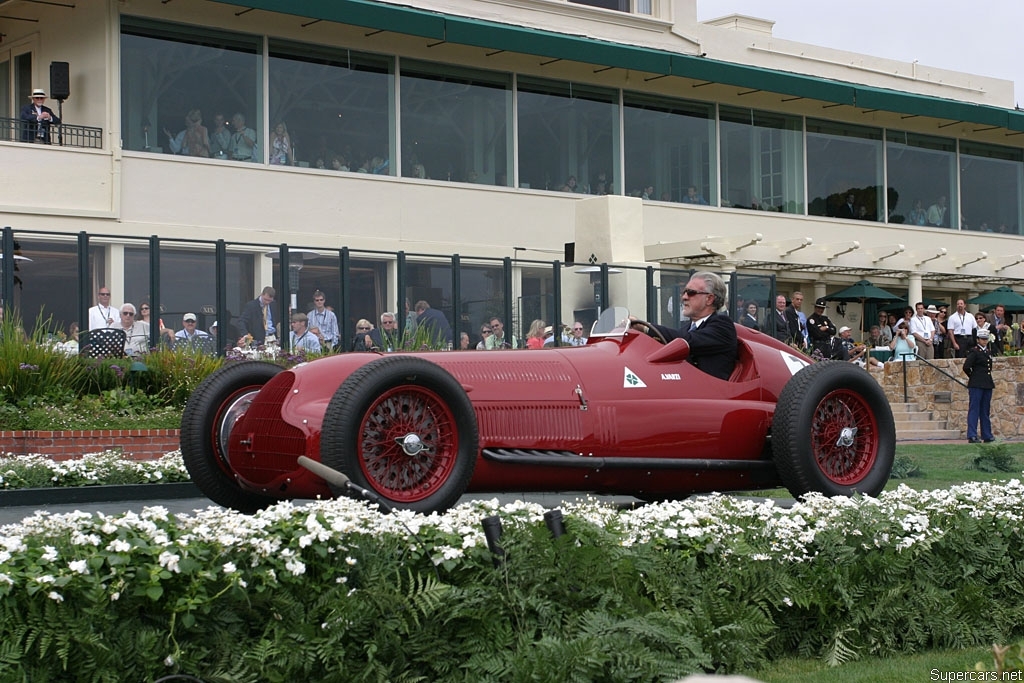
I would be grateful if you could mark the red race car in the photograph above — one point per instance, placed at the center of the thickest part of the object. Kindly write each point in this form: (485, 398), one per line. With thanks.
(625, 414)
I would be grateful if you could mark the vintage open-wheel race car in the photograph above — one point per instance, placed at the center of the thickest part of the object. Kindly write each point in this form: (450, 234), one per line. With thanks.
(624, 414)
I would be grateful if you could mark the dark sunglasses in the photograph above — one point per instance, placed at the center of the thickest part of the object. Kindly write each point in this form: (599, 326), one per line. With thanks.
(693, 292)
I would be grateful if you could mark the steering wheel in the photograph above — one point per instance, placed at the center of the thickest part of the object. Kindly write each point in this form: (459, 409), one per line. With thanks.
(657, 333)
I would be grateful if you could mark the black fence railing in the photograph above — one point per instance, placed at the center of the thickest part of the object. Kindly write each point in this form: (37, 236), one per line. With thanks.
(52, 276)
(64, 135)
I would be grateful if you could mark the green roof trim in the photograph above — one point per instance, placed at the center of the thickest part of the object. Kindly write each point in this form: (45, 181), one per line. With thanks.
(549, 44)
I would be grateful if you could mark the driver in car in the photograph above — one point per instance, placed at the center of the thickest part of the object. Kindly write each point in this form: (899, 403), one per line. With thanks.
(711, 334)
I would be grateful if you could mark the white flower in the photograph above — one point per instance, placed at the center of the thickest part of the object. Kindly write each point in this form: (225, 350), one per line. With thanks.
(49, 553)
(79, 566)
(229, 568)
(55, 596)
(119, 546)
(169, 561)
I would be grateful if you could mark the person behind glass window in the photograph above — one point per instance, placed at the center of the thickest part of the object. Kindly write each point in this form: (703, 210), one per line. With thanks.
(498, 339)
(144, 315)
(220, 137)
(190, 336)
(136, 332)
(577, 338)
(257, 318)
(693, 197)
(324, 319)
(485, 332)
(937, 214)
(917, 215)
(463, 341)
(102, 314)
(535, 336)
(243, 140)
(194, 140)
(386, 338)
(301, 339)
(36, 119)
(362, 341)
(282, 152)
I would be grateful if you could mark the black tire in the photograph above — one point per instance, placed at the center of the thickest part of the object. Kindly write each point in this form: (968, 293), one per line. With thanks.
(220, 398)
(833, 432)
(385, 403)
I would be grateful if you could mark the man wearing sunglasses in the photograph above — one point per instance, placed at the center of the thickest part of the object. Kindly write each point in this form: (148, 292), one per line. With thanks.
(711, 334)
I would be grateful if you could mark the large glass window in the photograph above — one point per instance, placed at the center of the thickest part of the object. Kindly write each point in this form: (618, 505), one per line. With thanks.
(330, 108)
(990, 182)
(176, 80)
(762, 160)
(455, 124)
(46, 285)
(567, 136)
(188, 283)
(844, 171)
(482, 297)
(668, 150)
(921, 177)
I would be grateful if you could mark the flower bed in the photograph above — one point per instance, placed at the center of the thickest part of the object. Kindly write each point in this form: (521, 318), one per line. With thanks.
(337, 591)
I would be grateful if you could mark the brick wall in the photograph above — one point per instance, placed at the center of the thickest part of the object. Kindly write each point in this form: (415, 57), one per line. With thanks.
(138, 444)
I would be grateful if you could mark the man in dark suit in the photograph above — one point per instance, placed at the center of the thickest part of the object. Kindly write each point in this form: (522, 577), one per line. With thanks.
(847, 210)
(780, 325)
(711, 334)
(797, 320)
(258, 317)
(36, 119)
(433, 322)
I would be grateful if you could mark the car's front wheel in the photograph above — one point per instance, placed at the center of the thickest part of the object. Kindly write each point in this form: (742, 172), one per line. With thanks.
(833, 432)
(211, 412)
(404, 428)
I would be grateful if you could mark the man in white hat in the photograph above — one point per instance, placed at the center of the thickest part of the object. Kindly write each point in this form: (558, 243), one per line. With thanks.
(37, 118)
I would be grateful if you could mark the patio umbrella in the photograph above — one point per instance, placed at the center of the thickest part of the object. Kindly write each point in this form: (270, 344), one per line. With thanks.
(1010, 299)
(864, 292)
(903, 302)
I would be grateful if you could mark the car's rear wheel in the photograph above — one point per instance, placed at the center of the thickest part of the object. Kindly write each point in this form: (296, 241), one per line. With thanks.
(210, 414)
(833, 432)
(405, 429)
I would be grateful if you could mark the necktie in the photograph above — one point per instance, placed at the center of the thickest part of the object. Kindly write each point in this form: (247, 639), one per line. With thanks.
(264, 318)
(693, 326)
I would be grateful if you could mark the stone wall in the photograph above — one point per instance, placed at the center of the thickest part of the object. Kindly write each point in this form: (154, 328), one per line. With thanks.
(139, 444)
(934, 391)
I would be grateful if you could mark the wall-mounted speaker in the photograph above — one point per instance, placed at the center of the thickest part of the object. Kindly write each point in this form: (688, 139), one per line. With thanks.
(60, 80)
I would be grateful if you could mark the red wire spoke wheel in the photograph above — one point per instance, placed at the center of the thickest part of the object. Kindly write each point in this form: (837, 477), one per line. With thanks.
(405, 428)
(408, 444)
(833, 432)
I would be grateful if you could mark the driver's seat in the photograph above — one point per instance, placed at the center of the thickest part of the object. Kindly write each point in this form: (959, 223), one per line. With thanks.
(745, 369)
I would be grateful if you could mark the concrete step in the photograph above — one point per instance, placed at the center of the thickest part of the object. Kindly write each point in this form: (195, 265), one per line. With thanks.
(914, 424)
(928, 435)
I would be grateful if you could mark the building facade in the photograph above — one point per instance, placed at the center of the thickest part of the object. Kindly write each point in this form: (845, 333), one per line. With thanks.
(376, 139)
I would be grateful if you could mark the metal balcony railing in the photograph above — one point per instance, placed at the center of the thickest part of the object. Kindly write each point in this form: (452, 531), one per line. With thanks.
(64, 135)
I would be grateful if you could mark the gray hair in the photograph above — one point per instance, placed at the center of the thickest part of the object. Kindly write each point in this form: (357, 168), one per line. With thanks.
(387, 314)
(128, 306)
(715, 285)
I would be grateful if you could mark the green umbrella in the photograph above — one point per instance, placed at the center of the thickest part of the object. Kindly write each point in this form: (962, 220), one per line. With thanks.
(1010, 299)
(864, 292)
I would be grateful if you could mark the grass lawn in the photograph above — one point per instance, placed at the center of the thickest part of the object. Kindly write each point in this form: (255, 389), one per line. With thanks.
(929, 666)
(940, 465)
